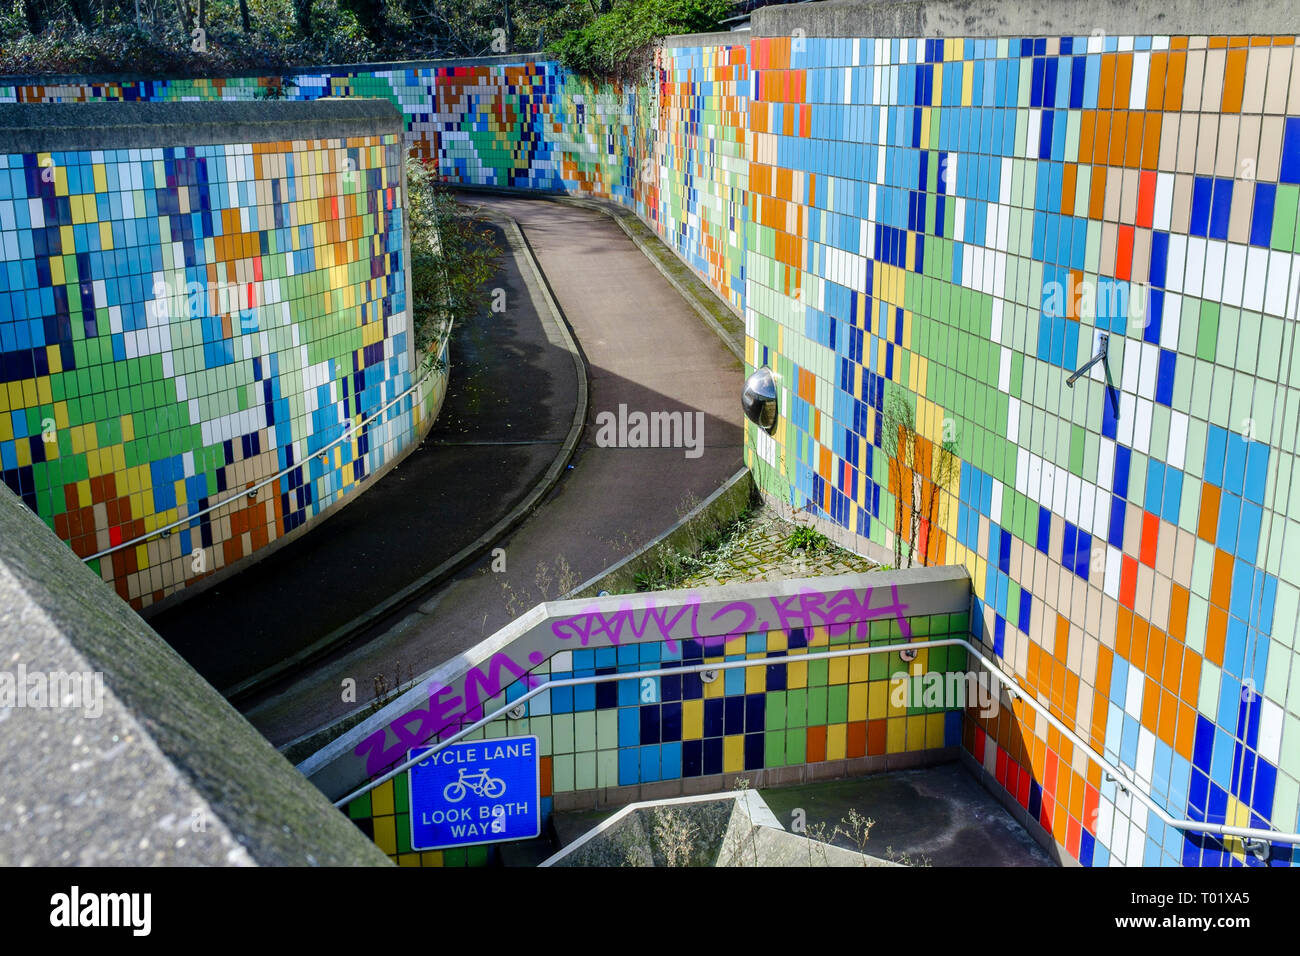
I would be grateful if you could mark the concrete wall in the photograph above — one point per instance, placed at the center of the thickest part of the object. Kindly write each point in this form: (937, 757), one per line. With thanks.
(116, 753)
(199, 297)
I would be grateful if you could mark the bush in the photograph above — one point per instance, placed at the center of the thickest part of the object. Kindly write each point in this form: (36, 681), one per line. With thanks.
(452, 258)
(619, 44)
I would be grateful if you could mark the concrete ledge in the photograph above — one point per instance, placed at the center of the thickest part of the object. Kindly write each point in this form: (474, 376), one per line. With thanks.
(1023, 18)
(145, 763)
(42, 127)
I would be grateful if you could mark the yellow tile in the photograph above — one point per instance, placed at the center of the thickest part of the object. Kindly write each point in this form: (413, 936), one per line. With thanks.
(877, 699)
(777, 641)
(381, 799)
(128, 428)
(432, 858)
(715, 689)
(101, 179)
(755, 680)
(106, 235)
(859, 667)
(386, 834)
(733, 753)
(23, 449)
(796, 676)
(916, 732)
(896, 735)
(934, 730)
(838, 670)
(6, 427)
(836, 741)
(692, 719)
(857, 702)
(408, 859)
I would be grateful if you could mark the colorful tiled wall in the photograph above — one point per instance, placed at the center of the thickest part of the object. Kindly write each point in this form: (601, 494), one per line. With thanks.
(959, 219)
(1138, 571)
(181, 323)
(621, 734)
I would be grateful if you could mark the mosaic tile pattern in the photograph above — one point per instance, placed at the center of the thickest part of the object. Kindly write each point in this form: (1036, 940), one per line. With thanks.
(677, 727)
(1137, 571)
(960, 219)
(182, 323)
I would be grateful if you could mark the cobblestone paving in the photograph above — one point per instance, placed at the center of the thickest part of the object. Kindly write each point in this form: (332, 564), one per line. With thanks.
(760, 552)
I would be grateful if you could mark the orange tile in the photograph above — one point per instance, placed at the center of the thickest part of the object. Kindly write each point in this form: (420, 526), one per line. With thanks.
(1185, 732)
(1097, 197)
(1208, 527)
(1124, 633)
(1178, 602)
(1171, 674)
(1118, 138)
(1134, 139)
(1155, 662)
(1123, 78)
(1106, 83)
(1216, 631)
(816, 751)
(1069, 182)
(1167, 727)
(1156, 80)
(1175, 75)
(1189, 686)
(1150, 703)
(1138, 652)
(1151, 124)
(1062, 637)
(1234, 81)
(1087, 129)
(1221, 581)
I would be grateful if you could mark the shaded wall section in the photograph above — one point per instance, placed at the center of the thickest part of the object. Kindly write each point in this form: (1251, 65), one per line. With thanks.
(142, 762)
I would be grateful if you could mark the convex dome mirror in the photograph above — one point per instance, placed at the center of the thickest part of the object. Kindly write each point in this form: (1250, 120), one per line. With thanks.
(759, 399)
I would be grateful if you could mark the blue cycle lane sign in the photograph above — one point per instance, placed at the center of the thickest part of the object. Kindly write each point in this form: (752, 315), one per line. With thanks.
(479, 791)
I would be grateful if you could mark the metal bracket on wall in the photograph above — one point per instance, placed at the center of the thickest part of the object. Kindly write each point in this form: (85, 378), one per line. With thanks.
(1103, 351)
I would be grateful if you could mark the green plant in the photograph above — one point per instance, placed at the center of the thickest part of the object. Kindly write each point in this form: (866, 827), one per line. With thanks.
(808, 540)
(617, 44)
(909, 452)
(452, 257)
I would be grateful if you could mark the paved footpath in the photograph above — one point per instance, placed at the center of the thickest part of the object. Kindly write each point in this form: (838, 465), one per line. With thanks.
(491, 436)
(645, 348)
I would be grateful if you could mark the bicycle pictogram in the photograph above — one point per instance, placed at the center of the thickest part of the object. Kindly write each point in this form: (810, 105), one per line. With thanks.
(480, 782)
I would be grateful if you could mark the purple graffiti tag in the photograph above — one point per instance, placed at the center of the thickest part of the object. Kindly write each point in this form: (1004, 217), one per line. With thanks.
(594, 624)
(480, 687)
(838, 613)
(411, 729)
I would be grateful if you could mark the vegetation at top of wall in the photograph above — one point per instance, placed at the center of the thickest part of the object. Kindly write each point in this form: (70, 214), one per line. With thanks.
(618, 42)
(452, 258)
(215, 37)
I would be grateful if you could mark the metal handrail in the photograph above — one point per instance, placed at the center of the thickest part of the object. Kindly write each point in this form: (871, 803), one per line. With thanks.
(348, 430)
(1014, 691)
